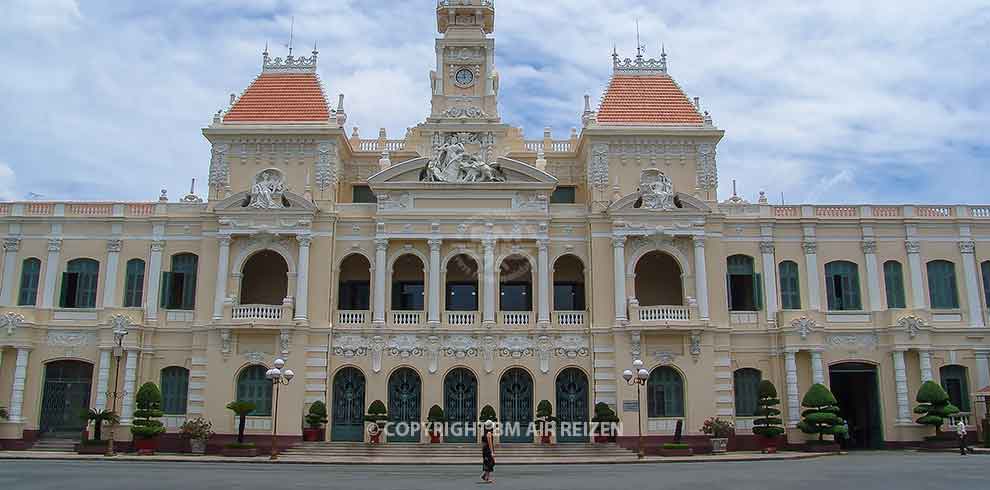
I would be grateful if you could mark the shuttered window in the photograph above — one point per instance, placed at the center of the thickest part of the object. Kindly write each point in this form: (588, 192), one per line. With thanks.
(842, 285)
(942, 291)
(790, 286)
(893, 280)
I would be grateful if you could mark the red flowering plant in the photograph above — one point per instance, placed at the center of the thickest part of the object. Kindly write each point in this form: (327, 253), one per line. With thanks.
(717, 428)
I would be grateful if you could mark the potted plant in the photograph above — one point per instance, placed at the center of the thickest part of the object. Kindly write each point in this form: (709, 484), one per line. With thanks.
(934, 408)
(198, 431)
(3, 413)
(821, 417)
(545, 420)
(604, 417)
(436, 419)
(376, 417)
(719, 432)
(96, 445)
(146, 427)
(240, 448)
(315, 419)
(768, 425)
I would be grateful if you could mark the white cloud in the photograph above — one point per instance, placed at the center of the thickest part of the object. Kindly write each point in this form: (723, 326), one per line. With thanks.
(7, 183)
(823, 102)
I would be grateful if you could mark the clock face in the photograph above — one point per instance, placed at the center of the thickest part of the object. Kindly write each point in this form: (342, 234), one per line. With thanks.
(464, 77)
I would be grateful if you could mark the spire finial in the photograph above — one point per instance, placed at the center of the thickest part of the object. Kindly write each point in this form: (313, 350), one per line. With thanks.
(292, 27)
(639, 46)
(734, 188)
(315, 51)
(192, 186)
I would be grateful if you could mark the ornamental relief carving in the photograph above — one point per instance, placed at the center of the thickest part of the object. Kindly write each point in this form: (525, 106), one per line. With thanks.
(853, 341)
(11, 321)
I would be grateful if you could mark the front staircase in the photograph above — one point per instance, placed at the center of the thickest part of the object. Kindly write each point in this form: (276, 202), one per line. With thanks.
(56, 444)
(452, 453)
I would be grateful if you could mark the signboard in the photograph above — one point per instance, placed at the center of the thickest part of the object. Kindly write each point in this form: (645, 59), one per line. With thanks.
(630, 405)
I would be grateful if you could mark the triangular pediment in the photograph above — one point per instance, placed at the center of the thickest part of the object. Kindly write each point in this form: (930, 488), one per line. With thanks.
(411, 173)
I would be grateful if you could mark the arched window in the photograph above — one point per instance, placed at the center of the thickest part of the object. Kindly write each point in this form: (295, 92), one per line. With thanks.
(842, 285)
(79, 282)
(30, 274)
(744, 285)
(956, 384)
(252, 386)
(790, 286)
(746, 383)
(354, 284)
(265, 279)
(568, 284)
(893, 280)
(665, 393)
(658, 280)
(179, 285)
(942, 290)
(175, 389)
(408, 286)
(985, 269)
(515, 284)
(134, 284)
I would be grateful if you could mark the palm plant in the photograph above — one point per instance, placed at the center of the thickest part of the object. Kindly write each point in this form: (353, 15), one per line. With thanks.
(98, 418)
(242, 409)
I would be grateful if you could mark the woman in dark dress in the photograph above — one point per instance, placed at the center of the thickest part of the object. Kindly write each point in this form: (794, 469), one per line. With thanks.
(488, 452)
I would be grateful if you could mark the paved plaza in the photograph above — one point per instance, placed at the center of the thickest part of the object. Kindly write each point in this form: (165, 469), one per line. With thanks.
(860, 471)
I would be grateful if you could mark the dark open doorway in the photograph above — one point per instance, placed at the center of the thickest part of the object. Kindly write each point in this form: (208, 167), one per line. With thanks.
(856, 387)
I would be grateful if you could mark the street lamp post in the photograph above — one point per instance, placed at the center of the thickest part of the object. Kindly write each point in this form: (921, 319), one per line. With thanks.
(118, 352)
(639, 380)
(278, 377)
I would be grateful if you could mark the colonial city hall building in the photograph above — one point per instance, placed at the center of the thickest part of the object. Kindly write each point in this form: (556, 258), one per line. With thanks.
(466, 266)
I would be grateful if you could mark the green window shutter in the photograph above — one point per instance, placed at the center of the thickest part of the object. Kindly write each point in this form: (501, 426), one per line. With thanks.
(728, 292)
(942, 289)
(893, 278)
(830, 278)
(758, 291)
(63, 300)
(30, 275)
(166, 290)
(985, 269)
(189, 291)
(854, 301)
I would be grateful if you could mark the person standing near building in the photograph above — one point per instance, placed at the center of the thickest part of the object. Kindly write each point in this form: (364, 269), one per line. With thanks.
(961, 433)
(488, 452)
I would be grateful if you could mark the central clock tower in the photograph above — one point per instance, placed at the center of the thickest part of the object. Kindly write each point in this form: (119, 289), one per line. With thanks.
(465, 83)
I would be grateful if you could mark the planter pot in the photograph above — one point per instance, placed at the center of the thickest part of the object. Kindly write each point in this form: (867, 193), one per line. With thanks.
(719, 445)
(821, 447)
(239, 452)
(545, 439)
(146, 447)
(600, 439)
(312, 435)
(434, 438)
(769, 444)
(197, 446)
(375, 438)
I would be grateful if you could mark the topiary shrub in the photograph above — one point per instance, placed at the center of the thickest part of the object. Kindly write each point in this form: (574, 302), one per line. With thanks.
(769, 423)
(822, 414)
(241, 410)
(935, 406)
(377, 412)
(488, 413)
(436, 418)
(317, 415)
(149, 408)
(3, 413)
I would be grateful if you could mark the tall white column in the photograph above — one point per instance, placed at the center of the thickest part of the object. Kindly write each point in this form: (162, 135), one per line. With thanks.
(925, 362)
(381, 269)
(793, 402)
(914, 268)
(814, 282)
(154, 279)
(51, 272)
(103, 380)
(872, 274)
(901, 386)
(619, 263)
(543, 282)
(10, 248)
(16, 410)
(817, 367)
(433, 292)
(488, 308)
(130, 380)
(302, 278)
(770, 279)
(701, 277)
(968, 250)
(220, 288)
(110, 283)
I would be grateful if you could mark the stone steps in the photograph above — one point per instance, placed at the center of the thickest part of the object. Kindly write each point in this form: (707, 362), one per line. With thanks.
(55, 445)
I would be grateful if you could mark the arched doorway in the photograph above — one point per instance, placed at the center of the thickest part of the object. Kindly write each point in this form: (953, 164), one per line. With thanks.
(408, 286)
(658, 280)
(347, 423)
(856, 387)
(354, 284)
(404, 396)
(460, 399)
(515, 399)
(462, 284)
(265, 279)
(572, 406)
(568, 284)
(66, 396)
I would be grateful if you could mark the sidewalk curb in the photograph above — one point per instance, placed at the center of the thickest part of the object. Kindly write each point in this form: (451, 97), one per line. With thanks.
(21, 456)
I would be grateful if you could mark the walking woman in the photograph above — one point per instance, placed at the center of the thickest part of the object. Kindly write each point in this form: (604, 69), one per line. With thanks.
(488, 452)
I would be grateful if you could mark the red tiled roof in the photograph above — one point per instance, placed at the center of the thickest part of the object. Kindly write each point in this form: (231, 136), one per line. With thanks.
(281, 98)
(646, 99)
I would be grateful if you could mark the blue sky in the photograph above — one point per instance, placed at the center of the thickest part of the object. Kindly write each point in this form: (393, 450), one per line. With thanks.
(831, 102)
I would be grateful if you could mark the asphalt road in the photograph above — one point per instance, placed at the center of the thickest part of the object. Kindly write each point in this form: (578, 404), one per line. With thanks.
(859, 471)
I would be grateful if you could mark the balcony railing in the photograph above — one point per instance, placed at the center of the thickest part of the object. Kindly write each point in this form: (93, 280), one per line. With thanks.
(516, 318)
(462, 318)
(410, 318)
(353, 317)
(954, 419)
(661, 314)
(569, 318)
(257, 312)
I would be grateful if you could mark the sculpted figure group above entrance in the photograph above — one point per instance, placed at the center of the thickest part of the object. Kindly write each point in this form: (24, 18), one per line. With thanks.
(656, 189)
(453, 163)
(267, 191)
